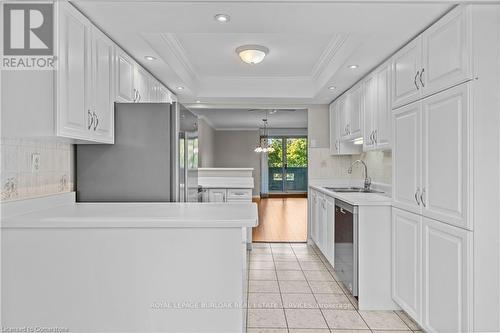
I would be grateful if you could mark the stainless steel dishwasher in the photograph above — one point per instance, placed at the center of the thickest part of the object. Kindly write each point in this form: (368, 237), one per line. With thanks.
(346, 245)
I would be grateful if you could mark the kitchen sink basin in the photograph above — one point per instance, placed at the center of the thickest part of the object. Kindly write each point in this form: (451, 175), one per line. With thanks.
(352, 190)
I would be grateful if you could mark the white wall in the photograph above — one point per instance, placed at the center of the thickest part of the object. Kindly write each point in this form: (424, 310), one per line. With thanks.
(206, 144)
(235, 149)
(324, 166)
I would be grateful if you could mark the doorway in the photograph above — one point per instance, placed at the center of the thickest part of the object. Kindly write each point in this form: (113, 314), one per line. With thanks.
(287, 165)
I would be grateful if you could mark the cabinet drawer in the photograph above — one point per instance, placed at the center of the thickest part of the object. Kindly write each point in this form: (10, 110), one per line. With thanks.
(239, 194)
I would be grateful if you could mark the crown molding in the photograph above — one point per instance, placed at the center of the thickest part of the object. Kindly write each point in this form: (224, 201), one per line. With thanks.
(328, 54)
(180, 54)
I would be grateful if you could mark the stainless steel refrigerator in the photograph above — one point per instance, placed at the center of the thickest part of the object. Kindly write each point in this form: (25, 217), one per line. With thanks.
(154, 157)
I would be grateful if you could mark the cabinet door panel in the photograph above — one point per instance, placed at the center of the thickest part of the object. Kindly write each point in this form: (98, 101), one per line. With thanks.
(102, 86)
(217, 195)
(446, 47)
(343, 116)
(406, 64)
(355, 110)
(383, 118)
(370, 110)
(447, 283)
(407, 261)
(334, 122)
(74, 71)
(407, 157)
(445, 156)
(125, 81)
(330, 229)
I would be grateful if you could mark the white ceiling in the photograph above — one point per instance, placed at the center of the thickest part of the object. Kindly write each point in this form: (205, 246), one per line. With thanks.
(243, 118)
(311, 44)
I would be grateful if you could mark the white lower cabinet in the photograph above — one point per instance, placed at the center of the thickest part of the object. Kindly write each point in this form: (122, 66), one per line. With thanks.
(217, 195)
(447, 278)
(431, 272)
(313, 208)
(322, 217)
(407, 261)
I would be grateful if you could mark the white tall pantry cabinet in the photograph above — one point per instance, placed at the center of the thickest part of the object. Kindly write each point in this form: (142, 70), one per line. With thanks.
(446, 157)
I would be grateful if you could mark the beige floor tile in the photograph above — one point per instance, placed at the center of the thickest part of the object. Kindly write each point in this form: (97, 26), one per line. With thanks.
(299, 301)
(334, 302)
(408, 320)
(283, 251)
(312, 265)
(262, 274)
(261, 257)
(266, 318)
(264, 301)
(344, 319)
(263, 286)
(296, 287)
(290, 275)
(389, 331)
(383, 320)
(322, 275)
(261, 265)
(305, 318)
(261, 245)
(267, 330)
(308, 330)
(350, 331)
(287, 265)
(325, 287)
(261, 251)
(285, 257)
(307, 257)
(280, 245)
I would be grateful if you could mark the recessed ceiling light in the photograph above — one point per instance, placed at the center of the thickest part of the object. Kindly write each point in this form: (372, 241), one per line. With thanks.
(151, 58)
(222, 18)
(252, 54)
(332, 87)
(180, 88)
(198, 101)
(353, 66)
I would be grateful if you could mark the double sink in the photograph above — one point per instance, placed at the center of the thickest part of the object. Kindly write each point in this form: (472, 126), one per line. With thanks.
(351, 190)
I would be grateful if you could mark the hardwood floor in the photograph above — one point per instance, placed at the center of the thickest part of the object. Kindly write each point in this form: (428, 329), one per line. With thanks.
(281, 220)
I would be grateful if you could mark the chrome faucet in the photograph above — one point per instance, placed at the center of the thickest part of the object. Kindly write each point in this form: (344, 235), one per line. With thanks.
(368, 180)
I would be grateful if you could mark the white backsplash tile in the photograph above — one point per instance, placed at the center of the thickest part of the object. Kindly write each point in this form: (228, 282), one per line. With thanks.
(322, 165)
(20, 181)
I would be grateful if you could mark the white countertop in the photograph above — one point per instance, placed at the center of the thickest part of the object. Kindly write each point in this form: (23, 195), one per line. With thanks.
(226, 182)
(139, 215)
(357, 199)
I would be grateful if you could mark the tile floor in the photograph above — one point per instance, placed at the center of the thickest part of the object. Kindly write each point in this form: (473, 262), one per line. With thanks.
(292, 289)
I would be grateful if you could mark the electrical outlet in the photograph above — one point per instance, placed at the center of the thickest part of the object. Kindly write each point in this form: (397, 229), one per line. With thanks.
(35, 162)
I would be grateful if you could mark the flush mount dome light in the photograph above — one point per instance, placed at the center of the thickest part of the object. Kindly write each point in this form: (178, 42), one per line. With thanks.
(252, 54)
(222, 18)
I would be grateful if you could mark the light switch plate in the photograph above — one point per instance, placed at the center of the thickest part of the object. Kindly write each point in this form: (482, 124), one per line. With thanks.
(35, 162)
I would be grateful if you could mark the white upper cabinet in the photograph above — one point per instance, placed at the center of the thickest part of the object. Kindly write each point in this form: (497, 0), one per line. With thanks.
(334, 131)
(353, 110)
(338, 144)
(141, 85)
(406, 156)
(102, 87)
(446, 47)
(436, 60)
(407, 261)
(125, 91)
(369, 112)
(445, 156)
(74, 118)
(447, 286)
(383, 118)
(406, 70)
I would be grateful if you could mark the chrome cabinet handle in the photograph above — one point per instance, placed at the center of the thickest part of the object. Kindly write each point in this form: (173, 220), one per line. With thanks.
(135, 95)
(422, 73)
(415, 80)
(96, 123)
(422, 197)
(90, 120)
(375, 134)
(371, 137)
(416, 195)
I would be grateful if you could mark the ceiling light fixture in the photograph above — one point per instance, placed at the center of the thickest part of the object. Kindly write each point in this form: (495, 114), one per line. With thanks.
(252, 54)
(353, 66)
(180, 88)
(150, 58)
(222, 18)
(198, 101)
(332, 87)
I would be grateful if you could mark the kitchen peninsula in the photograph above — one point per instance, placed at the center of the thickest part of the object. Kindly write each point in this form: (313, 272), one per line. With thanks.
(176, 267)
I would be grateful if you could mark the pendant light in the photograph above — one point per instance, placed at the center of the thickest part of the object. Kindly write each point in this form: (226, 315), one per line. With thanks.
(263, 146)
